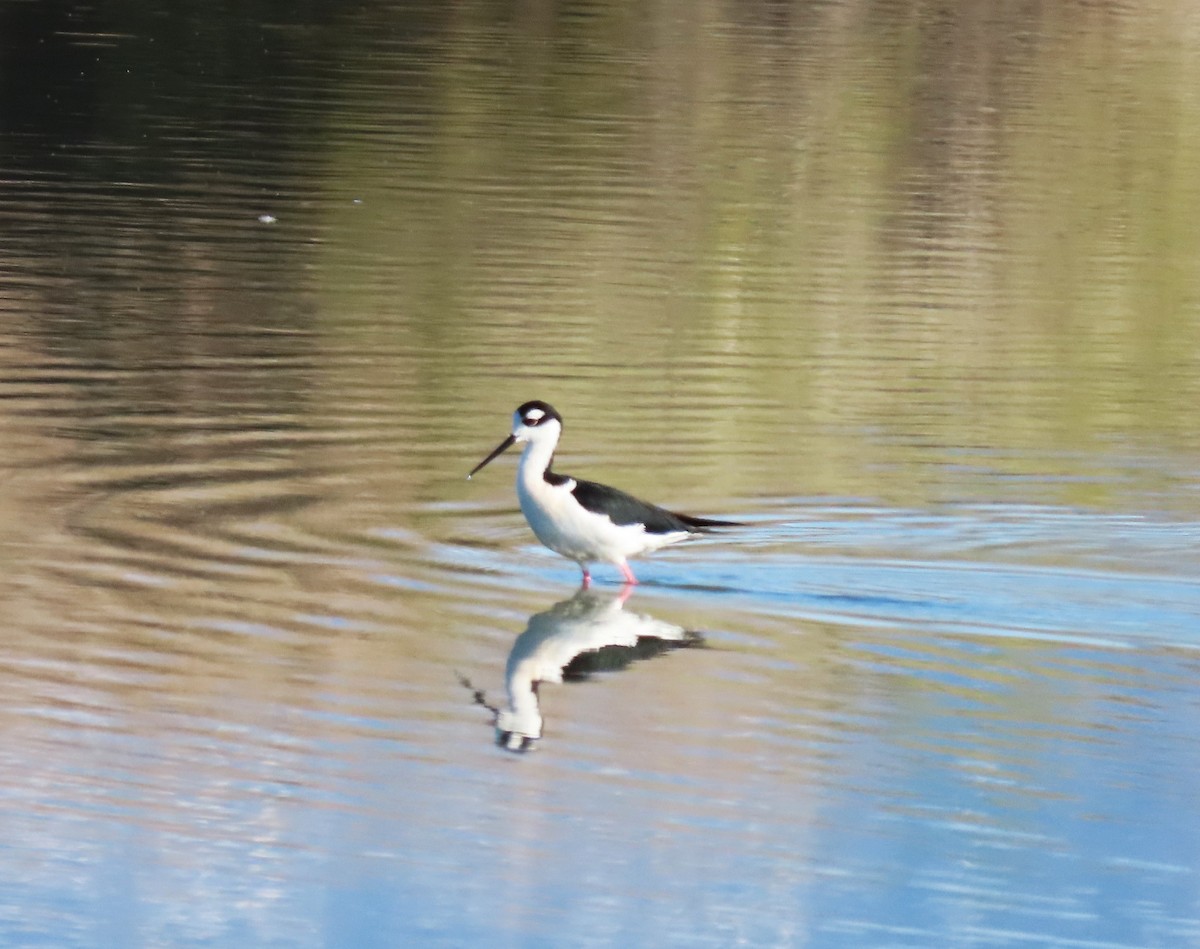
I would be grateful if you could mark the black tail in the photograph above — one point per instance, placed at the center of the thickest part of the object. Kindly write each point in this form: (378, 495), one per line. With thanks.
(705, 524)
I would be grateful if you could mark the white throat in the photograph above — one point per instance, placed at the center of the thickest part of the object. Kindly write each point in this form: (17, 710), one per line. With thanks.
(539, 452)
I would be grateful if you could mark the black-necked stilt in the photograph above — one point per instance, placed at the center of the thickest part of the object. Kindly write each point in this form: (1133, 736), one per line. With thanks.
(582, 520)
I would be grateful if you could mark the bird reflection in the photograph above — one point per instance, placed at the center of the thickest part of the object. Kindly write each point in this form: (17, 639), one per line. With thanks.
(589, 632)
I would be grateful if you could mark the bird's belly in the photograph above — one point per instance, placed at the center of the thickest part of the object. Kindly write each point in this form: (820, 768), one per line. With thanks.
(560, 523)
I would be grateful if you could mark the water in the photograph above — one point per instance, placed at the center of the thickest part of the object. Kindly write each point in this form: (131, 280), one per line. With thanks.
(912, 294)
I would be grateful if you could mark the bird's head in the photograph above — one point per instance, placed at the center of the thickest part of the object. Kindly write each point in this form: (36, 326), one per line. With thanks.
(536, 422)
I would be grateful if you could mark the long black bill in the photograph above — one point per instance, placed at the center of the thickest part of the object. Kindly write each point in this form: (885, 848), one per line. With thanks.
(500, 449)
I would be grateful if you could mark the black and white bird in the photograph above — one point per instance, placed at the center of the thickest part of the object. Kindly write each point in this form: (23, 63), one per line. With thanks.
(582, 520)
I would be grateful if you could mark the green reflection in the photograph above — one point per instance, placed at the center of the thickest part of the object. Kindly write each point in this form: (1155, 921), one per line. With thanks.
(852, 248)
(873, 250)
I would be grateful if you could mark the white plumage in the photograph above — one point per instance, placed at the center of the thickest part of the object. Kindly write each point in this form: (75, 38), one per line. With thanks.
(582, 520)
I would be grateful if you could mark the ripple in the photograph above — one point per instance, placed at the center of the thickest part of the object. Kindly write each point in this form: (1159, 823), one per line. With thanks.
(948, 580)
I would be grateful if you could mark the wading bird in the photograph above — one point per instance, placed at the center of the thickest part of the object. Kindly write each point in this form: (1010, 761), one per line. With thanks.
(582, 520)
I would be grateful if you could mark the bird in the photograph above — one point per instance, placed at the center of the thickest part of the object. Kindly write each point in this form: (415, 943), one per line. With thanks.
(582, 520)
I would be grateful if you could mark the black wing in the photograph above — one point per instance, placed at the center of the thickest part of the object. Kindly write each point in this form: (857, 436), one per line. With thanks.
(624, 509)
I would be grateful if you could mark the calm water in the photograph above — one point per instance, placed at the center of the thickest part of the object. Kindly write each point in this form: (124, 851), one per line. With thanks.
(913, 292)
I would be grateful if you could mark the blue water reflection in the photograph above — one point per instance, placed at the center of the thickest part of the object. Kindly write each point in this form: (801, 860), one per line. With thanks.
(998, 794)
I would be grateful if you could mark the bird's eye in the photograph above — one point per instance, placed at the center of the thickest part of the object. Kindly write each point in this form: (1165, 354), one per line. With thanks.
(532, 419)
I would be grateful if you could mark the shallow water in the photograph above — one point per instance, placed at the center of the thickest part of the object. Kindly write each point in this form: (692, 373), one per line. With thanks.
(912, 295)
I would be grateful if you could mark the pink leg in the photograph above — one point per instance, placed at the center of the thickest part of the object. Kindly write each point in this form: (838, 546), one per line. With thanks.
(630, 579)
(587, 577)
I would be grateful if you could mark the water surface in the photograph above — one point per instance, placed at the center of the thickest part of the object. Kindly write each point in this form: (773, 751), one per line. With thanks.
(911, 293)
